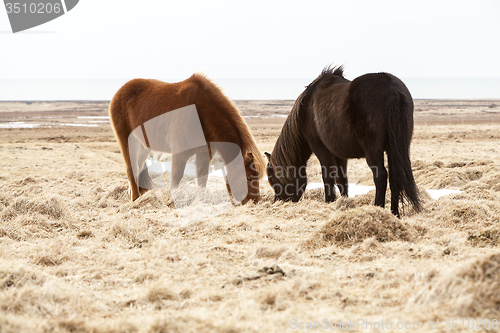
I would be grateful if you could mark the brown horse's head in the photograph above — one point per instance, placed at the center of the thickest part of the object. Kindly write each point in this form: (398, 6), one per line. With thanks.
(238, 186)
(284, 189)
(253, 174)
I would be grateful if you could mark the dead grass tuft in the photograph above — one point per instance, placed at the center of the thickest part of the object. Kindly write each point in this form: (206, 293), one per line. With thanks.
(73, 326)
(454, 178)
(47, 261)
(5, 200)
(317, 194)
(159, 292)
(17, 276)
(269, 300)
(273, 253)
(85, 234)
(164, 326)
(353, 226)
(488, 237)
(134, 233)
(146, 275)
(15, 324)
(53, 207)
(10, 231)
(150, 200)
(27, 180)
(120, 193)
(463, 213)
(475, 193)
(367, 250)
(469, 291)
(493, 181)
(345, 203)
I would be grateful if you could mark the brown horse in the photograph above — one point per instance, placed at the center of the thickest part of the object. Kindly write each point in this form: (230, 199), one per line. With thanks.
(192, 117)
(337, 119)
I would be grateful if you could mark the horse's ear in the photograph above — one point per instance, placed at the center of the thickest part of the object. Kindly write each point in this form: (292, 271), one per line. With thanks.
(267, 155)
(249, 156)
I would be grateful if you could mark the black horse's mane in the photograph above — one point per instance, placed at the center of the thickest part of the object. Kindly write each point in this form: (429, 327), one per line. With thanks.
(289, 145)
(329, 75)
(333, 70)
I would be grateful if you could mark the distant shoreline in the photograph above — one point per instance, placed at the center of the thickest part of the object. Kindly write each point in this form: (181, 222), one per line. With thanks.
(427, 111)
(235, 100)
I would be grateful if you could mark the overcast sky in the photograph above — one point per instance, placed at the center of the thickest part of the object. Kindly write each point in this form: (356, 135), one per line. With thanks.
(257, 39)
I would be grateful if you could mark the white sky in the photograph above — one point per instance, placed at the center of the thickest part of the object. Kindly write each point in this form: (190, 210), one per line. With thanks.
(257, 39)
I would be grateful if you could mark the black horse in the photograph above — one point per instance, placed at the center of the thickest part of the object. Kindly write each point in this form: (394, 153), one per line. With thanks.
(338, 119)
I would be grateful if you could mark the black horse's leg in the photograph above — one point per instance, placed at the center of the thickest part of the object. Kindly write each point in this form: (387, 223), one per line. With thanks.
(329, 182)
(328, 171)
(179, 161)
(395, 193)
(202, 165)
(379, 171)
(342, 183)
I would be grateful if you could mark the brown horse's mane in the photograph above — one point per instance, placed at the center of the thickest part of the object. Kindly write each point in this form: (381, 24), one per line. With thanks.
(234, 114)
(287, 151)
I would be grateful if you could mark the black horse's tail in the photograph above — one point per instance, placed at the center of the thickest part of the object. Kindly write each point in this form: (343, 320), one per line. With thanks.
(400, 131)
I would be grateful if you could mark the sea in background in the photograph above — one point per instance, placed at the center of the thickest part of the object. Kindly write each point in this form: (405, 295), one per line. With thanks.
(239, 89)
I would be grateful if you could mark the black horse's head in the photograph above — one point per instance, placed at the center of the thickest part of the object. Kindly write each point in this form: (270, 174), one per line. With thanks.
(285, 189)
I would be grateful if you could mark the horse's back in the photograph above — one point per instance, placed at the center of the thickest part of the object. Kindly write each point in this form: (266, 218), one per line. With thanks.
(376, 86)
(140, 100)
(373, 90)
(350, 116)
(368, 100)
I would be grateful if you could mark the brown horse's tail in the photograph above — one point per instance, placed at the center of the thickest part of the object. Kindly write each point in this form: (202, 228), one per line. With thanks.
(400, 131)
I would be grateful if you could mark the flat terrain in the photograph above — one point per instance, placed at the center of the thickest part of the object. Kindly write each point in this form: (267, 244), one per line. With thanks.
(77, 256)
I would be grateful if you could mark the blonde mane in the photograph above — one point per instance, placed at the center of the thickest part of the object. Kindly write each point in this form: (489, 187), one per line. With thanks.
(234, 114)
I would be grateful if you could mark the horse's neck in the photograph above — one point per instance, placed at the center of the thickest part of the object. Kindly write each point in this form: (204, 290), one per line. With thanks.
(305, 153)
(233, 130)
(299, 157)
(228, 152)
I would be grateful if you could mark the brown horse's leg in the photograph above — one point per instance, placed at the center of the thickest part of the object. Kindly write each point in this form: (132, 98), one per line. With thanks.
(379, 177)
(179, 161)
(134, 188)
(342, 182)
(202, 165)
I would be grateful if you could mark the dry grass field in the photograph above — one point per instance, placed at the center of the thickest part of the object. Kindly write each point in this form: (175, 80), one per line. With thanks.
(77, 256)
